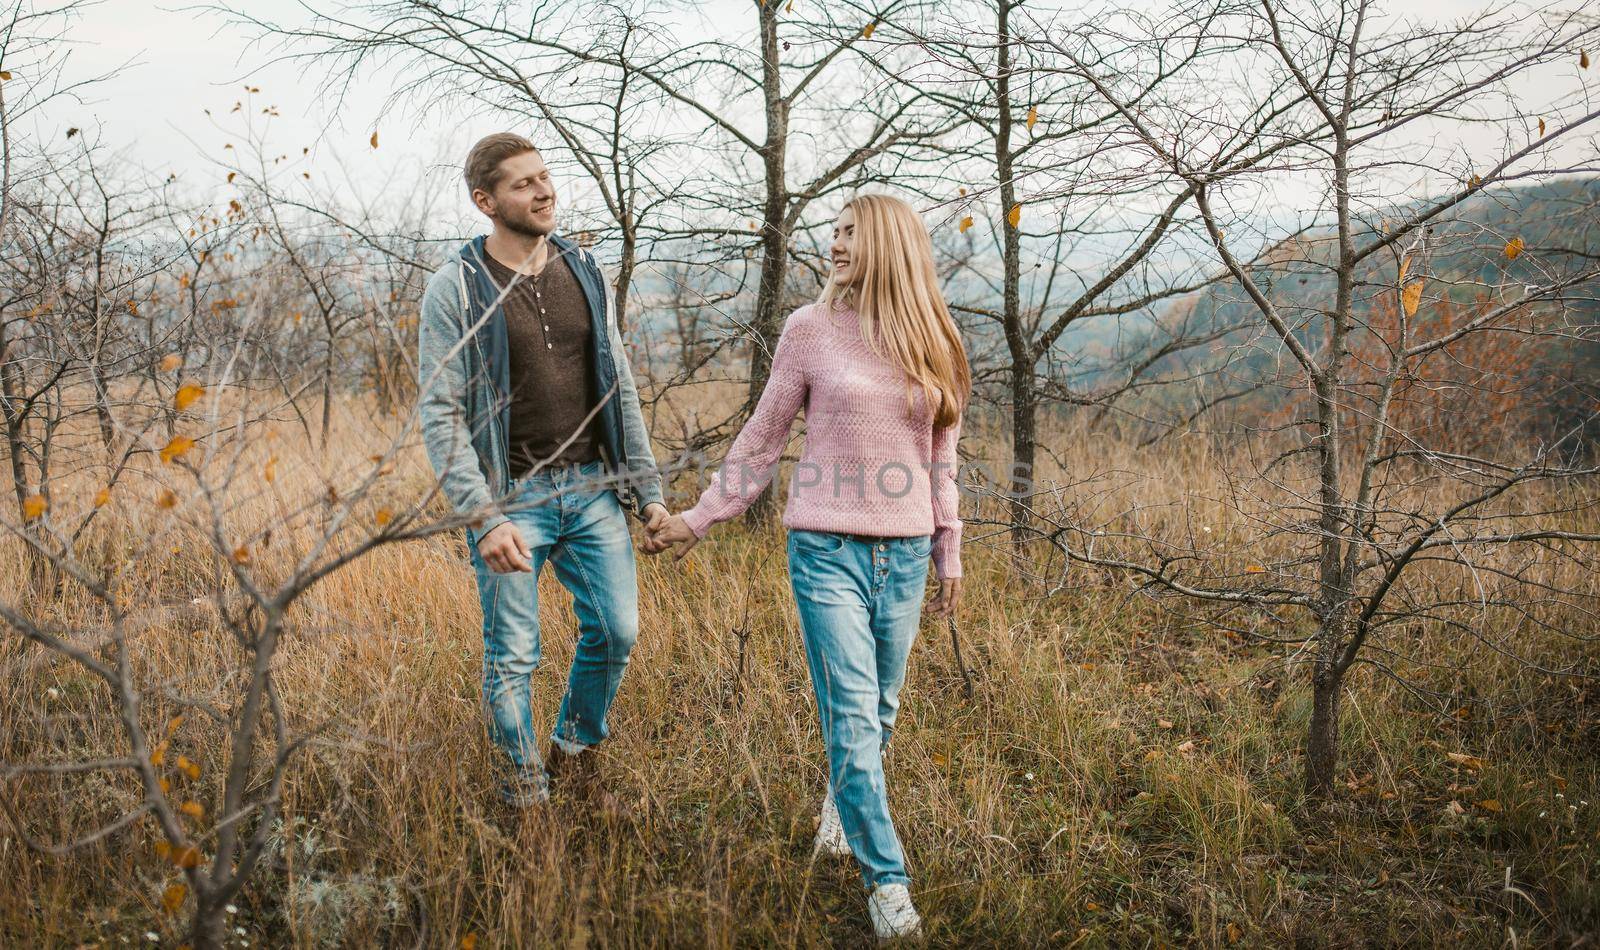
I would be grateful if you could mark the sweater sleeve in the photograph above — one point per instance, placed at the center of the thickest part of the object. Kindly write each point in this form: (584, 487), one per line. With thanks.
(946, 502)
(752, 459)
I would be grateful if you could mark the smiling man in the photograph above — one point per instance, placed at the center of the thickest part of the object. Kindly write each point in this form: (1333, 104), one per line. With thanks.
(532, 423)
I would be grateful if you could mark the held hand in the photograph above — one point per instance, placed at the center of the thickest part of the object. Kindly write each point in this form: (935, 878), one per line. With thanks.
(656, 515)
(948, 600)
(504, 550)
(677, 531)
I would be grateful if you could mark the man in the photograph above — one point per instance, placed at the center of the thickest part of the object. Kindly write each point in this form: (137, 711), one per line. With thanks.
(531, 420)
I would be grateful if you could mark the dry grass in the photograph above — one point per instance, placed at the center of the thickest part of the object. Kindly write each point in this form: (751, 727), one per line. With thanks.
(1124, 774)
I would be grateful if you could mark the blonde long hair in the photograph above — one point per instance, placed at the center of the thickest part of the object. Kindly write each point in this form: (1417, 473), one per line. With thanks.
(898, 290)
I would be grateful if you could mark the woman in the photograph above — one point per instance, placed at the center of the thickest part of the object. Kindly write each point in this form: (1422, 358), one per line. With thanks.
(878, 365)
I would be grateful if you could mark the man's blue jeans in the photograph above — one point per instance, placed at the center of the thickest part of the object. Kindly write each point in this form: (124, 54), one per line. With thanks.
(859, 607)
(568, 519)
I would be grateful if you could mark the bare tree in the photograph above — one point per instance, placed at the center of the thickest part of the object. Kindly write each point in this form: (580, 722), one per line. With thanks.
(1357, 516)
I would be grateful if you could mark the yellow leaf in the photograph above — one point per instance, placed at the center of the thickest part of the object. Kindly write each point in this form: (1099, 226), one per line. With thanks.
(159, 755)
(186, 857)
(1015, 214)
(179, 445)
(164, 849)
(383, 516)
(940, 759)
(1405, 265)
(167, 499)
(1513, 248)
(965, 223)
(270, 470)
(189, 767)
(186, 395)
(172, 897)
(102, 498)
(866, 34)
(1490, 804)
(172, 361)
(789, 8)
(241, 554)
(1254, 569)
(174, 723)
(469, 941)
(1474, 181)
(1090, 906)
(1033, 116)
(1411, 297)
(164, 785)
(193, 809)
(33, 506)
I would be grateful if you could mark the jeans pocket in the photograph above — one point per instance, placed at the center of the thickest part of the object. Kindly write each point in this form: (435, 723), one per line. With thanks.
(920, 546)
(817, 542)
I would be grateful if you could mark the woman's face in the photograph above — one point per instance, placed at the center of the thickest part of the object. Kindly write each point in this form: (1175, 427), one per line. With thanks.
(844, 240)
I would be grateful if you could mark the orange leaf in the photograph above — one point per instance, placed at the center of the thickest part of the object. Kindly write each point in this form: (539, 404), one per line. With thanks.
(1468, 761)
(1583, 62)
(963, 190)
(172, 897)
(164, 848)
(189, 767)
(1490, 804)
(159, 755)
(167, 499)
(469, 941)
(1033, 116)
(33, 506)
(193, 809)
(1405, 265)
(965, 223)
(866, 34)
(270, 470)
(1254, 569)
(383, 516)
(172, 361)
(102, 498)
(1015, 214)
(187, 856)
(241, 554)
(1474, 181)
(186, 395)
(174, 723)
(1411, 297)
(179, 445)
(1513, 248)
(5, 74)
(1541, 128)
(374, 140)
(164, 785)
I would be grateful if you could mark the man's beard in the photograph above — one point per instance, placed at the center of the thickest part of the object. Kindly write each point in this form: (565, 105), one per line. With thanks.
(524, 226)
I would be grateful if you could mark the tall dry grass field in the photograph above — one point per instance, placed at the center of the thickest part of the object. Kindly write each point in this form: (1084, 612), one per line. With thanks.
(1125, 773)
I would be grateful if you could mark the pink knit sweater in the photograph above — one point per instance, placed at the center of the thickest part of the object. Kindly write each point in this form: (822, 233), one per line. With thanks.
(868, 467)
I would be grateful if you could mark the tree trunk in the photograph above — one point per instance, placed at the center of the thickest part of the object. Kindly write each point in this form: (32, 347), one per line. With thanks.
(1024, 448)
(1322, 738)
(208, 928)
(774, 239)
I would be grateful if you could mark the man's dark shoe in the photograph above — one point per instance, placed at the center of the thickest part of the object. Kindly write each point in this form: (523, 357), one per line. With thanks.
(577, 777)
(524, 790)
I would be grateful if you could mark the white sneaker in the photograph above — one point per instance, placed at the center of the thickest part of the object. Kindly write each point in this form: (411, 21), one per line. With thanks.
(892, 915)
(830, 831)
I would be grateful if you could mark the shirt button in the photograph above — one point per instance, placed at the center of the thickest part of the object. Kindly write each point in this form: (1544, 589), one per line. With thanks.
(547, 328)
(883, 547)
(549, 346)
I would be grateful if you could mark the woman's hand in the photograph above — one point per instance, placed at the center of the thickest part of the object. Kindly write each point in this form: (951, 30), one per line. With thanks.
(948, 600)
(676, 531)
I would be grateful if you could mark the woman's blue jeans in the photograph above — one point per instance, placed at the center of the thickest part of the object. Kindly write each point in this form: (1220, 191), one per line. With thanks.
(859, 606)
(566, 517)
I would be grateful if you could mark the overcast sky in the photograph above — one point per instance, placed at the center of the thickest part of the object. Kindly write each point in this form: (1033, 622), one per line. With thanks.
(182, 61)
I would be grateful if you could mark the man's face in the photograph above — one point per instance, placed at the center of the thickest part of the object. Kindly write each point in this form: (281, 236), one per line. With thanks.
(524, 201)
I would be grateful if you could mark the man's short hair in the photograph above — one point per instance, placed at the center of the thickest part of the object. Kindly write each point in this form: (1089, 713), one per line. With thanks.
(483, 162)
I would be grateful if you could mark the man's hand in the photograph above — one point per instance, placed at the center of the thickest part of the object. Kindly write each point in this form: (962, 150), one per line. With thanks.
(948, 600)
(676, 531)
(655, 515)
(504, 550)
